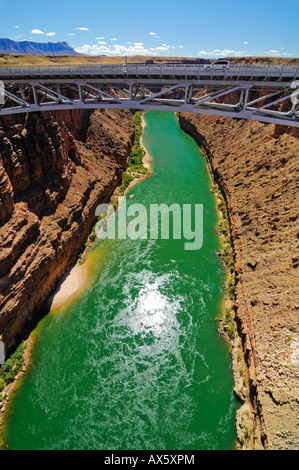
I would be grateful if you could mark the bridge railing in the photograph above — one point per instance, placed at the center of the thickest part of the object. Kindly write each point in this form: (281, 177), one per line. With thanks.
(147, 69)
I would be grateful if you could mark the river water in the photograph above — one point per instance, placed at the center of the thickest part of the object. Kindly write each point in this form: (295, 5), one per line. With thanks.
(135, 361)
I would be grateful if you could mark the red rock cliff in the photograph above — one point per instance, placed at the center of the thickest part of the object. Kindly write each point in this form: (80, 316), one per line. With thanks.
(50, 185)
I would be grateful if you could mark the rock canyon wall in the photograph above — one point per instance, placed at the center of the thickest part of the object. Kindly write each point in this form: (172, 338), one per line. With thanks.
(54, 170)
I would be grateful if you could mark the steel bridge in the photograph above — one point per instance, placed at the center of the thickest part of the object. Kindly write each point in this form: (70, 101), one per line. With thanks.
(263, 93)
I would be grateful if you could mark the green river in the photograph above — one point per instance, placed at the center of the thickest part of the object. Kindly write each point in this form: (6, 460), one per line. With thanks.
(136, 361)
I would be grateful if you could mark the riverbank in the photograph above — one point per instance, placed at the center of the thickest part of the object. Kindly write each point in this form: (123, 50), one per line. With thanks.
(11, 387)
(76, 278)
(147, 159)
(70, 286)
(227, 325)
(72, 283)
(248, 425)
(255, 166)
(138, 169)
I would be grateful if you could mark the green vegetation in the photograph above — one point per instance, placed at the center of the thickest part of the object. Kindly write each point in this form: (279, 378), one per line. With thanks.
(222, 205)
(12, 366)
(135, 166)
(227, 258)
(135, 169)
(229, 321)
(227, 251)
(231, 287)
(137, 154)
(246, 428)
(92, 237)
(127, 178)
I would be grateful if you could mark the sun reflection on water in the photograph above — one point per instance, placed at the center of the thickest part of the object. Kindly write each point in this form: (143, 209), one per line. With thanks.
(152, 314)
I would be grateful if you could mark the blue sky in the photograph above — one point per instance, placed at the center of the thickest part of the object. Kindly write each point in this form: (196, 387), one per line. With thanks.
(189, 28)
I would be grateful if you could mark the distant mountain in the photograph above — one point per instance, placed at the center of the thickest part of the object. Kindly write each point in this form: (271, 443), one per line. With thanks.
(35, 48)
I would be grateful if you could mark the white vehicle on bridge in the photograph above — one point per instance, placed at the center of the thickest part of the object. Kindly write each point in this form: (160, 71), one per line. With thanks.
(219, 64)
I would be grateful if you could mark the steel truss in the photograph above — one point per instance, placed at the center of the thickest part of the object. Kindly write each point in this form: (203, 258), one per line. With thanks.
(266, 94)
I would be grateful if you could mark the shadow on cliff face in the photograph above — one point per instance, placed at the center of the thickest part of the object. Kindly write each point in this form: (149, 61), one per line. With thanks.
(39, 157)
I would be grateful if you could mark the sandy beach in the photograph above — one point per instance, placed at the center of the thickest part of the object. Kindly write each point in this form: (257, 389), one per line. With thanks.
(71, 284)
(147, 159)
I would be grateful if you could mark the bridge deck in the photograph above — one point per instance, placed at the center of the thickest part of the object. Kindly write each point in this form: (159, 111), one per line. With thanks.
(148, 70)
(264, 93)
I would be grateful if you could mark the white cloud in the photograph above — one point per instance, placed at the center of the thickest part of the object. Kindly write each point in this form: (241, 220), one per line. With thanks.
(245, 42)
(71, 34)
(181, 47)
(152, 34)
(101, 37)
(82, 29)
(163, 48)
(116, 49)
(101, 42)
(113, 39)
(37, 31)
(92, 49)
(17, 27)
(138, 43)
(218, 52)
(274, 52)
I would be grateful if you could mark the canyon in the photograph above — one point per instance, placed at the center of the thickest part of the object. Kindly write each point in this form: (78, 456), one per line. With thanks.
(56, 168)
(54, 171)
